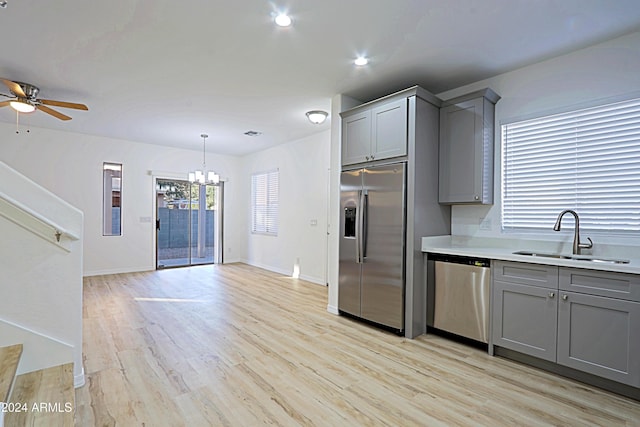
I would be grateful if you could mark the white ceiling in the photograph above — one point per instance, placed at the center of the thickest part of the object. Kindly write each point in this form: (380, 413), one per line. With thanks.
(163, 72)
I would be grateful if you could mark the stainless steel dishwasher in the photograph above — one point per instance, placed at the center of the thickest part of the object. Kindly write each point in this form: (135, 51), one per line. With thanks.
(458, 295)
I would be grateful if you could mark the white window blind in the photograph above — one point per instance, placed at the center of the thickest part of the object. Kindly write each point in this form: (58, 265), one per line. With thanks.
(264, 202)
(586, 160)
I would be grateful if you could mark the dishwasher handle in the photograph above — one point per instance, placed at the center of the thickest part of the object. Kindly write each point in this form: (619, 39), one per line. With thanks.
(459, 259)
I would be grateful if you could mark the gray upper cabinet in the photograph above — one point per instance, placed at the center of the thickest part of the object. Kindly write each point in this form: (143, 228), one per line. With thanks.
(356, 129)
(375, 133)
(466, 148)
(389, 130)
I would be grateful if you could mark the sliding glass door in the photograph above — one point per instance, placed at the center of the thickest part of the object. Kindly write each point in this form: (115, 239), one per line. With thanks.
(188, 220)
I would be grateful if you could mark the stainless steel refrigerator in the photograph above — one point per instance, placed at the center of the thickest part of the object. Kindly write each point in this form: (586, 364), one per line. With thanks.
(372, 244)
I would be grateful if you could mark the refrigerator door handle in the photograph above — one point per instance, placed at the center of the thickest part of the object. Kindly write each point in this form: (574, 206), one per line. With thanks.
(358, 227)
(365, 223)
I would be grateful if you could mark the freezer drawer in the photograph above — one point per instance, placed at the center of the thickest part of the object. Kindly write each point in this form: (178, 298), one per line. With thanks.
(461, 304)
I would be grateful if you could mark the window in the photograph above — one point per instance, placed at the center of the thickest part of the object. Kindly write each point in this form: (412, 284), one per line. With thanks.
(587, 160)
(111, 197)
(264, 202)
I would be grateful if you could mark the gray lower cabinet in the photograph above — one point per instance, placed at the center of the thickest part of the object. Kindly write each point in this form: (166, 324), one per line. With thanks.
(599, 323)
(524, 319)
(525, 308)
(600, 335)
(542, 315)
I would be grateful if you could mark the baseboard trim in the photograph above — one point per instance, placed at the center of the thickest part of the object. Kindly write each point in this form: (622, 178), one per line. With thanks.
(332, 309)
(117, 271)
(284, 272)
(314, 280)
(267, 267)
(79, 380)
(144, 268)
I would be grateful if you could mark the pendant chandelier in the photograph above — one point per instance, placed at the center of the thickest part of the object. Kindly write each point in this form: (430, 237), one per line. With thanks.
(203, 176)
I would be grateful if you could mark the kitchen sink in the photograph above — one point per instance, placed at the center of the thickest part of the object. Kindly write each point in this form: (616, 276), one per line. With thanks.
(573, 257)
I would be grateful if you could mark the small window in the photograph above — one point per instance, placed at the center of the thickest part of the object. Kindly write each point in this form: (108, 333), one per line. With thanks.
(112, 199)
(587, 160)
(264, 202)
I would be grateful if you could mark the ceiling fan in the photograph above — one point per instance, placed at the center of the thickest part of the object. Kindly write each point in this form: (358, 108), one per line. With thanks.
(25, 100)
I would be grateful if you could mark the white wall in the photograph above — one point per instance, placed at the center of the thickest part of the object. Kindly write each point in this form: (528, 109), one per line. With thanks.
(40, 281)
(601, 72)
(303, 198)
(70, 165)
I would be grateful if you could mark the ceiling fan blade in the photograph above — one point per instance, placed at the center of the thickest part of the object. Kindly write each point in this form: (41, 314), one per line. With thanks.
(63, 104)
(4, 103)
(53, 112)
(14, 87)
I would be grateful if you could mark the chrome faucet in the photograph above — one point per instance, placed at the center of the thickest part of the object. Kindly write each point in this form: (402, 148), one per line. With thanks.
(577, 246)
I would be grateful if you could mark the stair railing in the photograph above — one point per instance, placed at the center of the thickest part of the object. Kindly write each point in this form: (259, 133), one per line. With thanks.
(34, 222)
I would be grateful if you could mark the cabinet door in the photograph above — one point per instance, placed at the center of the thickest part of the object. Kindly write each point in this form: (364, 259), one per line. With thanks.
(389, 130)
(600, 335)
(524, 319)
(356, 138)
(461, 152)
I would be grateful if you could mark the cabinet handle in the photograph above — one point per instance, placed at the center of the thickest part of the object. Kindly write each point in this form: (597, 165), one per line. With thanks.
(476, 197)
(552, 294)
(372, 157)
(367, 157)
(565, 297)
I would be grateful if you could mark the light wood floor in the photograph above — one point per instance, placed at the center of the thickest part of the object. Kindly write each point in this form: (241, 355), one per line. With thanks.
(233, 345)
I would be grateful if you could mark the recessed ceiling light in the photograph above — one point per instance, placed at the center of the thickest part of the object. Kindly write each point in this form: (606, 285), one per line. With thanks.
(283, 20)
(361, 60)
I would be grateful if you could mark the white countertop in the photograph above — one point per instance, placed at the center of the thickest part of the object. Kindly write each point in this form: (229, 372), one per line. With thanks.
(502, 249)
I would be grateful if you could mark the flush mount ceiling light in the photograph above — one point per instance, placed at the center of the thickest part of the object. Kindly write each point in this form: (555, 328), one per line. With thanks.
(22, 105)
(361, 60)
(202, 176)
(317, 116)
(283, 20)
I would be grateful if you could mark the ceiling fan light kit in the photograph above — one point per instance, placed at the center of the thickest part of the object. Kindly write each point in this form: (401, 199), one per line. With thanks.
(25, 100)
(22, 106)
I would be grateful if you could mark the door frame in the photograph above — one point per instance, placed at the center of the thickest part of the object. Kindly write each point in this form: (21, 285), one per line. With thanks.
(218, 254)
